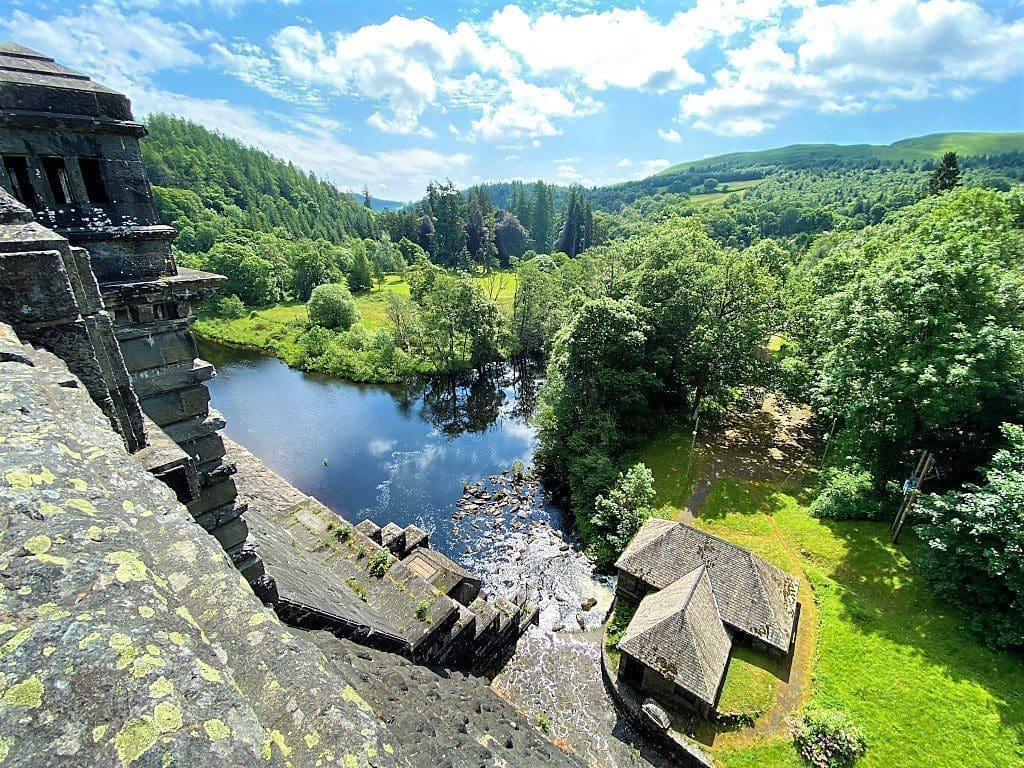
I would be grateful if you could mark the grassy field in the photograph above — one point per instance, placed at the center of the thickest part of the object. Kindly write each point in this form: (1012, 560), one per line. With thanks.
(269, 329)
(710, 198)
(926, 692)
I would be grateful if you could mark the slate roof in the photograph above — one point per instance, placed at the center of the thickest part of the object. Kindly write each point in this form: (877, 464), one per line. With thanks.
(679, 633)
(753, 597)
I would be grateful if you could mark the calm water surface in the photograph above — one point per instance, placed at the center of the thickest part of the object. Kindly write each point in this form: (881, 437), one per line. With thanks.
(397, 454)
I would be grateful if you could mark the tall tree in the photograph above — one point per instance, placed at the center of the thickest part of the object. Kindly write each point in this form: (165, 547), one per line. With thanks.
(946, 175)
(449, 230)
(976, 538)
(541, 225)
(520, 202)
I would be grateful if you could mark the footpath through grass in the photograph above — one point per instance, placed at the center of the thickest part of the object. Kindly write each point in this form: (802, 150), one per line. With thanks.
(926, 692)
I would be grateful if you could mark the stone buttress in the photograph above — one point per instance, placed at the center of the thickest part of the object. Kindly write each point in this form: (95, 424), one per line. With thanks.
(86, 271)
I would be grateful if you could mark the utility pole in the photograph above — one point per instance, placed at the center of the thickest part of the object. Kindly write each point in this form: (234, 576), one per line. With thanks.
(911, 491)
(828, 442)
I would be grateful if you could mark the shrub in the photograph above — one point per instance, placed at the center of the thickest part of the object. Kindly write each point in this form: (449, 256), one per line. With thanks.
(828, 739)
(230, 307)
(423, 609)
(846, 494)
(331, 306)
(343, 533)
(357, 587)
(379, 563)
(619, 514)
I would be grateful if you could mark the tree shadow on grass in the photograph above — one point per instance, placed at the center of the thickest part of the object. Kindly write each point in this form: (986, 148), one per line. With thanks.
(882, 593)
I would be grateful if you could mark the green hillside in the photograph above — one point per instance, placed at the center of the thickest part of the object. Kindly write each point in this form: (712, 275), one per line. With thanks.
(800, 156)
(964, 144)
(843, 180)
(204, 180)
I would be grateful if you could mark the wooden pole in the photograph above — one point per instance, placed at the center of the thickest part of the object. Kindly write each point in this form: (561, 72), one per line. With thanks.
(914, 480)
(929, 460)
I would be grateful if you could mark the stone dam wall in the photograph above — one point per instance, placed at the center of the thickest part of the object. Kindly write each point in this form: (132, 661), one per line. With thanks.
(128, 638)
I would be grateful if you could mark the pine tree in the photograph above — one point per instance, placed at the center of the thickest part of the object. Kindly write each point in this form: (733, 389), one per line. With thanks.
(540, 225)
(946, 175)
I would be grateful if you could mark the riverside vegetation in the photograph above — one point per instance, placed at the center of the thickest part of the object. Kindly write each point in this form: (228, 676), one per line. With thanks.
(882, 287)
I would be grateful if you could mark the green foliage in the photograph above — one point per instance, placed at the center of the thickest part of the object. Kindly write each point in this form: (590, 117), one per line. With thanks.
(312, 266)
(207, 180)
(543, 723)
(331, 306)
(360, 277)
(230, 307)
(358, 587)
(684, 327)
(828, 739)
(975, 536)
(846, 494)
(620, 512)
(618, 623)
(914, 328)
(946, 175)
(249, 276)
(423, 609)
(380, 562)
(343, 532)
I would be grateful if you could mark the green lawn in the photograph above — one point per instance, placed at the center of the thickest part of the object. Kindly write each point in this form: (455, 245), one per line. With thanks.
(925, 691)
(273, 328)
(675, 471)
(709, 198)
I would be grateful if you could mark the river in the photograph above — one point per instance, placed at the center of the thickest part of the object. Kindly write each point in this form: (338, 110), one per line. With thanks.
(406, 454)
(388, 453)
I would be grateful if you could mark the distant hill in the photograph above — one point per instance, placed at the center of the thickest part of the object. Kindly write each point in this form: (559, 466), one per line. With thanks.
(804, 156)
(995, 150)
(240, 186)
(386, 205)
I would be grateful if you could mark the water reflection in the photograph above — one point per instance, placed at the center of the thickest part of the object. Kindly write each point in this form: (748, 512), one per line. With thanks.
(473, 402)
(388, 453)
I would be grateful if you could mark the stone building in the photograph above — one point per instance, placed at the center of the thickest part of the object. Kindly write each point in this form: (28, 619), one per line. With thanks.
(676, 644)
(90, 276)
(694, 595)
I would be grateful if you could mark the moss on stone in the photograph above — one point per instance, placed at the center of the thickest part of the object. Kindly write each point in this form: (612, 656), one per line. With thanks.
(216, 730)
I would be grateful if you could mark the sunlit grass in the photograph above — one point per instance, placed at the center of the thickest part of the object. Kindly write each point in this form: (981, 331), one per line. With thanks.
(926, 692)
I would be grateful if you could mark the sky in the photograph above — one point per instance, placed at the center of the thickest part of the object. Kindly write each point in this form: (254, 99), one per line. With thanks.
(393, 94)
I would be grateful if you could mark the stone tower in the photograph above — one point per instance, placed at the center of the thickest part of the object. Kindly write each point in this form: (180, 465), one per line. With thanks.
(89, 263)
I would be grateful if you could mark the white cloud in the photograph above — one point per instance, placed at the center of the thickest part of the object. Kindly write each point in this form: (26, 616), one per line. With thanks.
(620, 48)
(311, 142)
(116, 47)
(400, 63)
(530, 110)
(671, 135)
(624, 163)
(858, 55)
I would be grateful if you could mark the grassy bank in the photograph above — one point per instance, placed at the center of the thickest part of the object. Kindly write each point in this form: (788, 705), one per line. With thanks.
(361, 354)
(925, 691)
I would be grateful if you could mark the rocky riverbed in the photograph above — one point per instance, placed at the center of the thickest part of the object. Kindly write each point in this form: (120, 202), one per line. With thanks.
(505, 523)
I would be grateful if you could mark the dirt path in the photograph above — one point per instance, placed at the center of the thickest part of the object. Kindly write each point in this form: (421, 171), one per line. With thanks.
(772, 444)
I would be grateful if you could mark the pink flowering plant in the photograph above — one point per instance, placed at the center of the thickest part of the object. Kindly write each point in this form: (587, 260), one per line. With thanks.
(828, 739)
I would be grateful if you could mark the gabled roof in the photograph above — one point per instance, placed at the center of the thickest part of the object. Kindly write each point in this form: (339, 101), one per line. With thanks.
(753, 596)
(679, 633)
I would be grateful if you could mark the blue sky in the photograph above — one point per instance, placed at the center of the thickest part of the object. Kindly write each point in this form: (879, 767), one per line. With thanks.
(393, 94)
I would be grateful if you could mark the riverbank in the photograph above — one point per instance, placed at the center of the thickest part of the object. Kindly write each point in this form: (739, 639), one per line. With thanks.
(365, 354)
